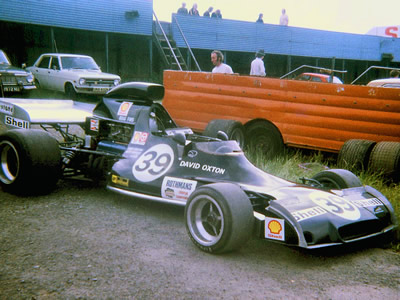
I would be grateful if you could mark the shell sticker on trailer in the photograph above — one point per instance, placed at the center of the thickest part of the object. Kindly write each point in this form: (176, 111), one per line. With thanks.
(274, 229)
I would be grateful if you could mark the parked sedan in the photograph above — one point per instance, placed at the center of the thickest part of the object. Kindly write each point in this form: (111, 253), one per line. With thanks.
(72, 74)
(317, 77)
(13, 79)
(386, 82)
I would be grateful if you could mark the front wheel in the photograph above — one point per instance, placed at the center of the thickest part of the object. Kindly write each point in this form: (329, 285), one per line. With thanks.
(219, 217)
(70, 92)
(337, 179)
(30, 161)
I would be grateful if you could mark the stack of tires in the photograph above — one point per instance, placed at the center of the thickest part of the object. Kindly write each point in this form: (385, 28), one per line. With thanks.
(365, 155)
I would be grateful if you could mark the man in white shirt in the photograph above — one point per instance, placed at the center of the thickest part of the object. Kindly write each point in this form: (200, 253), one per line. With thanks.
(216, 58)
(257, 65)
(284, 20)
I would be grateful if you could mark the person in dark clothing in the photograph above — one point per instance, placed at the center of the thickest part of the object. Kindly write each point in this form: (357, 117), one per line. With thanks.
(217, 14)
(207, 13)
(193, 11)
(183, 10)
(260, 18)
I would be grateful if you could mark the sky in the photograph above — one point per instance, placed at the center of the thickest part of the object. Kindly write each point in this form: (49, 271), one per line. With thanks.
(351, 16)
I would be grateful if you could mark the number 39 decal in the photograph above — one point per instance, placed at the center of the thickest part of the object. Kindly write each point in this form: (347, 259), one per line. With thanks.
(336, 205)
(153, 163)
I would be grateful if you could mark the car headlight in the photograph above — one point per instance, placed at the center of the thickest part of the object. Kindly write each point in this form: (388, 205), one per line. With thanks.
(82, 81)
(30, 78)
(116, 81)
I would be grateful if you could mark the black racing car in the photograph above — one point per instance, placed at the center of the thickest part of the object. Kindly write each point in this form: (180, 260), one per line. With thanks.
(132, 143)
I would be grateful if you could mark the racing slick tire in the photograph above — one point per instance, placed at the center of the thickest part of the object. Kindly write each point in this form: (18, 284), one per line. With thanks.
(265, 137)
(385, 158)
(232, 128)
(355, 154)
(30, 162)
(219, 217)
(70, 92)
(337, 179)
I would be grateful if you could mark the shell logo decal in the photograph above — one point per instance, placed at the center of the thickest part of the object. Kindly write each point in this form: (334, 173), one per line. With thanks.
(275, 229)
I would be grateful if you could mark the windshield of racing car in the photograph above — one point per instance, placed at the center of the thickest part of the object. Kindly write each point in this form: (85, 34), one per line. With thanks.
(4, 59)
(78, 62)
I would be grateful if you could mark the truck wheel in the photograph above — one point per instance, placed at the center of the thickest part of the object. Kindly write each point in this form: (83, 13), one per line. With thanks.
(232, 128)
(266, 138)
(219, 217)
(355, 154)
(70, 92)
(385, 157)
(30, 162)
(337, 179)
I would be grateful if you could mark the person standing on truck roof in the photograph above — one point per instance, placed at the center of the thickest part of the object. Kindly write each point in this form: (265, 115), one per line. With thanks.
(257, 65)
(216, 58)
(183, 10)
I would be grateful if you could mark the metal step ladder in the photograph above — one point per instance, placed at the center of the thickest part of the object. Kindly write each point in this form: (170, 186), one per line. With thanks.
(170, 53)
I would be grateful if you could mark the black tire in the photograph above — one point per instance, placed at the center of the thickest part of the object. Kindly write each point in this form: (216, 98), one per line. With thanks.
(265, 138)
(385, 158)
(70, 92)
(337, 179)
(219, 217)
(30, 162)
(354, 154)
(232, 128)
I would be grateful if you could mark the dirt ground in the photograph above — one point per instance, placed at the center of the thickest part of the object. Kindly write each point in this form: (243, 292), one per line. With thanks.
(83, 242)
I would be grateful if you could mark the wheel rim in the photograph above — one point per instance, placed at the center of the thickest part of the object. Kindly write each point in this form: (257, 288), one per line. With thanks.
(205, 220)
(9, 162)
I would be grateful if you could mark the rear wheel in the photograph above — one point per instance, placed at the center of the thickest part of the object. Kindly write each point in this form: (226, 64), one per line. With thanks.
(265, 138)
(233, 129)
(70, 91)
(355, 154)
(219, 217)
(30, 161)
(337, 179)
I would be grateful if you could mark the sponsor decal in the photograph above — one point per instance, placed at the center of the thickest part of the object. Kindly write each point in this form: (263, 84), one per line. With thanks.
(307, 213)
(140, 138)
(133, 152)
(336, 205)
(274, 229)
(6, 108)
(14, 122)
(124, 109)
(198, 166)
(94, 125)
(177, 188)
(153, 163)
(120, 180)
(366, 202)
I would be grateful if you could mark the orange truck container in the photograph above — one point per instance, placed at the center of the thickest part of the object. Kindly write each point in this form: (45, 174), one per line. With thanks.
(301, 114)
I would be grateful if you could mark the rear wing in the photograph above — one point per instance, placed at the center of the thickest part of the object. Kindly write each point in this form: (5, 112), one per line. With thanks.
(23, 113)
